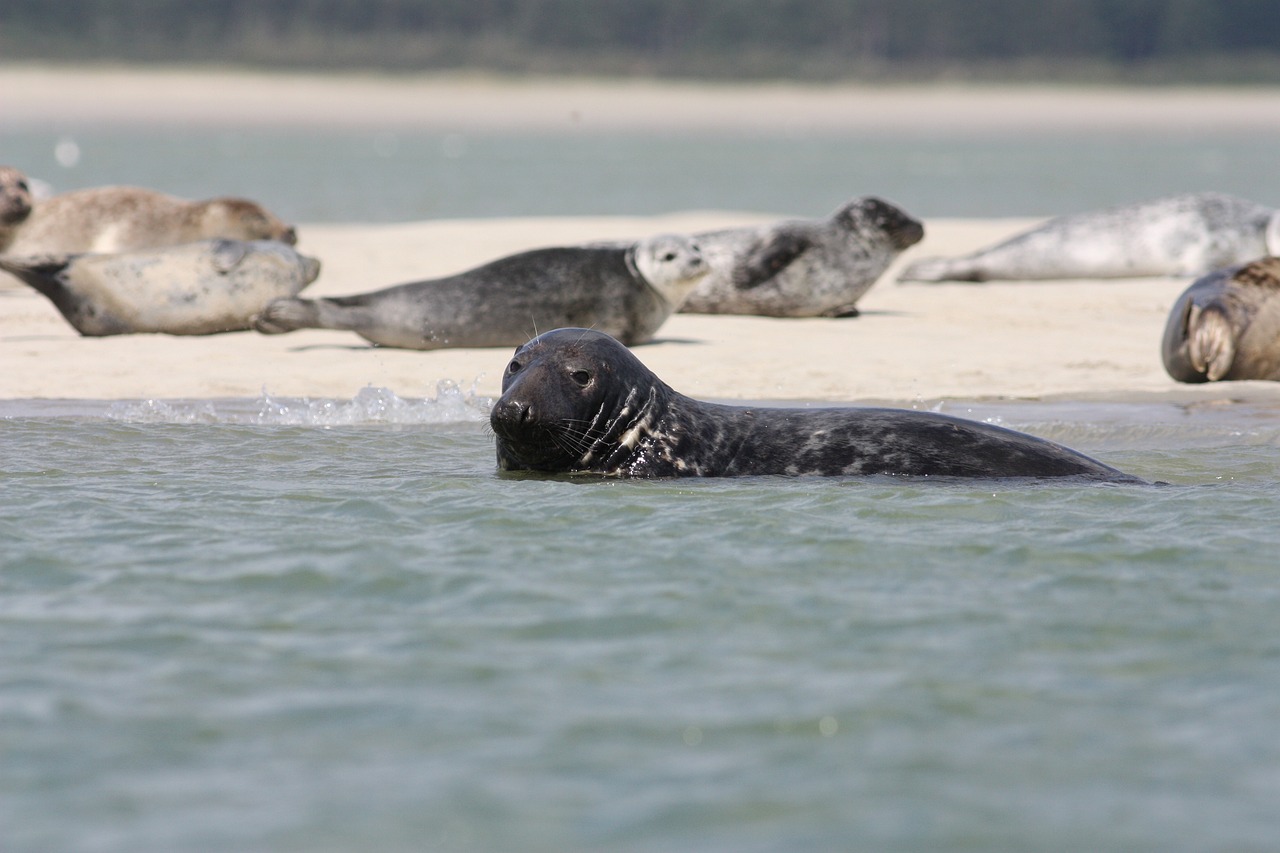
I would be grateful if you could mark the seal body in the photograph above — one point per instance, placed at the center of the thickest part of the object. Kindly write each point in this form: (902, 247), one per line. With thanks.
(1226, 325)
(1180, 235)
(626, 291)
(15, 203)
(192, 289)
(121, 219)
(802, 268)
(577, 401)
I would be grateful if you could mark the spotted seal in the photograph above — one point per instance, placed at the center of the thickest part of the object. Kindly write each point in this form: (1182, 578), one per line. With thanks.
(1190, 234)
(121, 219)
(802, 268)
(1226, 325)
(15, 203)
(192, 289)
(626, 291)
(577, 401)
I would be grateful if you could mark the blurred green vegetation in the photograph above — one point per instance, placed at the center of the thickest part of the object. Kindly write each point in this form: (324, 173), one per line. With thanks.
(1131, 40)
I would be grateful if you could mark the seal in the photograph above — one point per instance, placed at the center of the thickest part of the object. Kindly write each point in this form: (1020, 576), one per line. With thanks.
(15, 203)
(577, 401)
(192, 289)
(802, 268)
(121, 219)
(1226, 325)
(1181, 235)
(626, 291)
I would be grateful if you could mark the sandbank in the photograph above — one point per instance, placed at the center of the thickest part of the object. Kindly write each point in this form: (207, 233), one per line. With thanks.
(913, 344)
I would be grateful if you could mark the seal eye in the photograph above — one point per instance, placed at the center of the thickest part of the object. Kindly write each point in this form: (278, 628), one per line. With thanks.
(514, 366)
(669, 256)
(582, 377)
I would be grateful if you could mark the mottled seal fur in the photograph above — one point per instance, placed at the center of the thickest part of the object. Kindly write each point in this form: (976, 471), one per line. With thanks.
(578, 401)
(121, 219)
(802, 268)
(1180, 235)
(1226, 325)
(626, 291)
(15, 203)
(192, 289)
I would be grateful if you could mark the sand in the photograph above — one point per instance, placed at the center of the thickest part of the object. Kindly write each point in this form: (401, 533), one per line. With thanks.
(914, 344)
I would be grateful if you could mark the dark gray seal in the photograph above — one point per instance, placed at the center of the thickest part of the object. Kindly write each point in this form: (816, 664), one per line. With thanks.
(577, 401)
(193, 289)
(805, 267)
(1180, 235)
(627, 291)
(1226, 325)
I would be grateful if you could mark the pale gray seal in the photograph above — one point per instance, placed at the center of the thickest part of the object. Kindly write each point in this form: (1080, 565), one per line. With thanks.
(802, 268)
(626, 291)
(192, 289)
(577, 401)
(1226, 325)
(121, 219)
(1180, 235)
(15, 203)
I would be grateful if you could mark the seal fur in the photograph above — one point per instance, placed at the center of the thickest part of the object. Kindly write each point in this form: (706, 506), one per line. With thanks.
(1226, 325)
(577, 401)
(803, 267)
(193, 289)
(15, 203)
(1181, 235)
(122, 219)
(627, 291)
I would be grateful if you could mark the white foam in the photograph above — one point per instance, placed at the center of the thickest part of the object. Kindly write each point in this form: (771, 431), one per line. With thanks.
(370, 406)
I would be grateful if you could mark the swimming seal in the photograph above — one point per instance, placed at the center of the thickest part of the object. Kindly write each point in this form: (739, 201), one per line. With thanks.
(15, 203)
(627, 291)
(1180, 235)
(1226, 325)
(577, 401)
(193, 289)
(805, 267)
(121, 219)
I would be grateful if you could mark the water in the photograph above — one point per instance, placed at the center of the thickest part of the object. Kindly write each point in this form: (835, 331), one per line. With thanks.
(385, 176)
(284, 624)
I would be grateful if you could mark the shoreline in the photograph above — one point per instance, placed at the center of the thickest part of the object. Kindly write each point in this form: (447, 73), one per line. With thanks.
(914, 344)
(65, 96)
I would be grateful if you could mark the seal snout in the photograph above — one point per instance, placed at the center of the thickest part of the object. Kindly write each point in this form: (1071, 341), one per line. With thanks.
(510, 413)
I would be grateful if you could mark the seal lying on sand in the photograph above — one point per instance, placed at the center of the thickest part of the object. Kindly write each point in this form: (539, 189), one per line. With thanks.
(575, 400)
(121, 219)
(192, 289)
(626, 291)
(802, 268)
(1181, 235)
(1226, 325)
(15, 203)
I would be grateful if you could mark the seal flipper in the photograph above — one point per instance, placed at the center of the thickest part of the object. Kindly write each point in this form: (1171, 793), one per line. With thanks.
(43, 272)
(766, 261)
(286, 315)
(1211, 343)
(941, 269)
(227, 255)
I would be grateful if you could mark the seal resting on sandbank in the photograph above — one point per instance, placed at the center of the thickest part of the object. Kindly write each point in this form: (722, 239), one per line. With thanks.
(192, 289)
(1226, 325)
(1181, 235)
(627, 290)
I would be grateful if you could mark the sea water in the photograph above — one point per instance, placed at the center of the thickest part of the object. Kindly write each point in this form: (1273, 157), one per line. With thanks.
(381, 175)
(284, 624)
